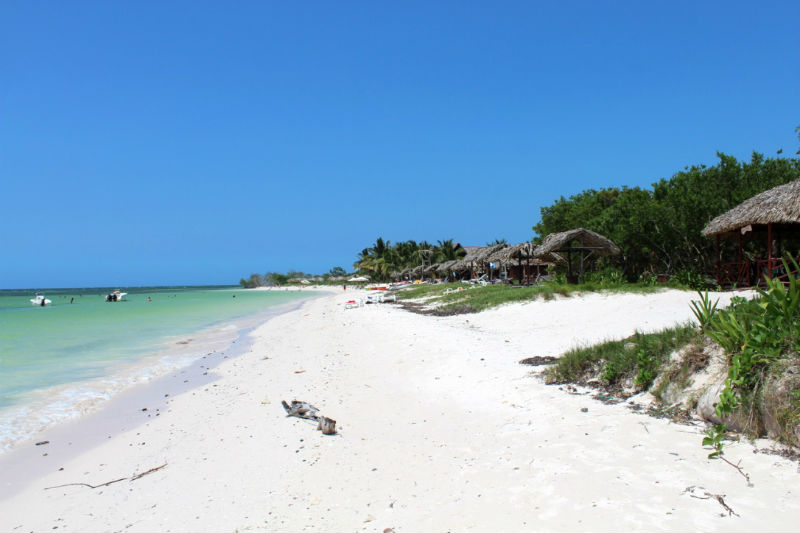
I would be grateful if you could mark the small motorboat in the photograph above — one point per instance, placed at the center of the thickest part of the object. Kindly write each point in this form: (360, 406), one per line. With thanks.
(40, 300)
(116, 296)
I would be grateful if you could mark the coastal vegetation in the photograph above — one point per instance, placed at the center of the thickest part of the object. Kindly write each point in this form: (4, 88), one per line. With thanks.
(659, 229)
(759, 382)
(382, 258)
(292, 276)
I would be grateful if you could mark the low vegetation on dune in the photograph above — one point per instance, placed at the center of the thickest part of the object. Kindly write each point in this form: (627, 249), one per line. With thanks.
(738, 368)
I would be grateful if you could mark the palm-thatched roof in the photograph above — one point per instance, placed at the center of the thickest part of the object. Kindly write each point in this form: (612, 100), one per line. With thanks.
(780, 205)
(483, 255)
(560, 242)
(523, 251)
(446, 266)
(468, 260)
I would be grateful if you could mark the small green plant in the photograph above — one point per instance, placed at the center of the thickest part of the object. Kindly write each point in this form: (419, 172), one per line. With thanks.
(648, 369)
(648, 279)
(714, 438)
(703, 309)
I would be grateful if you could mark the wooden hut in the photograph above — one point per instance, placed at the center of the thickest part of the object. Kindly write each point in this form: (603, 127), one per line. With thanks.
(465, 267)
(588, 243)
(518, 262)
(482, 259)
(445, 269)
(771, 218)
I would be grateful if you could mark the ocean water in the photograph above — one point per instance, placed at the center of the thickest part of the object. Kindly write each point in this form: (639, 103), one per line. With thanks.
(66, 359)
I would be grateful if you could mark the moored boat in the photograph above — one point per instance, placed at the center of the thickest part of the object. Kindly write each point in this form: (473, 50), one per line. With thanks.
(40, 300)
(116, 296)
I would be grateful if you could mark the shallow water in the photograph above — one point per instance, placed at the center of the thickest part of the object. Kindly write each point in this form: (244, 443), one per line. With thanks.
(65, 359)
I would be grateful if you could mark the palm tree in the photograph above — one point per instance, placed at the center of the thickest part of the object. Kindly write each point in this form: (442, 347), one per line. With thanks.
(447, 251)
(376, 260)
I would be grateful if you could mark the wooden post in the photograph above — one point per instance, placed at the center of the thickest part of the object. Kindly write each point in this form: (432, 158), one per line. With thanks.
(769, 250)
(740, 260)
(569, 263)
(327, 426)
(716, 262)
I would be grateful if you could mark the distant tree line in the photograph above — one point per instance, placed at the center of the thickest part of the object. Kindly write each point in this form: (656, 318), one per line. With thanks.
(278, 278)
(658, 229)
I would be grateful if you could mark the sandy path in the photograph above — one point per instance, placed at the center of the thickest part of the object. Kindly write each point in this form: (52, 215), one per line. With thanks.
(440, 429)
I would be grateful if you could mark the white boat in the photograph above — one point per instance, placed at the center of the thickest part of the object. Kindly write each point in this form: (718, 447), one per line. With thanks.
(116, 296)
(40, 300)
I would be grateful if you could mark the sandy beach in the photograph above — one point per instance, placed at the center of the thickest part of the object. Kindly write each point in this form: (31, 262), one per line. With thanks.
(440, 429)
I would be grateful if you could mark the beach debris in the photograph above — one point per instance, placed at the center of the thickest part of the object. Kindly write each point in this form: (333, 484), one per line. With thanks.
(327, 426)
(42, 443)
(701, 493)
(584, 409)
(299, 371)
(300, 410)
(308, 412)
(107, 483)
(539, 360)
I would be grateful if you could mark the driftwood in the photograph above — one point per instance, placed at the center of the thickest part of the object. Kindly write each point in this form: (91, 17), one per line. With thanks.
(301, 410)
(327, 426)
(701, 494)
(107, 483)
(308, 412)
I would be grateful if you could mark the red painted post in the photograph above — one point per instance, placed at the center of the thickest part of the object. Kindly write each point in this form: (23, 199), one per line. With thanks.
(769, 250)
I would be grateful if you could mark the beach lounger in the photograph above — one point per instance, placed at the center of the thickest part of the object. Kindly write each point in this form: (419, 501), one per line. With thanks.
(352, 304)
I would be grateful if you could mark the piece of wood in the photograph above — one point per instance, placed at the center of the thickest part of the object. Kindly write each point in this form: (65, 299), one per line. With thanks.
(87, 485)
(107, 483)
(137, 476)
(327, 426)
(300, 410)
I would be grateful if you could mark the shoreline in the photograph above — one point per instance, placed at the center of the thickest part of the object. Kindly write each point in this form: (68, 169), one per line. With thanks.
(439, 427)
(132, 405)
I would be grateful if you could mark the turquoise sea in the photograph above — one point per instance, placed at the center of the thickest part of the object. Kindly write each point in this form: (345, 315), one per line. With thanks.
(65, 359)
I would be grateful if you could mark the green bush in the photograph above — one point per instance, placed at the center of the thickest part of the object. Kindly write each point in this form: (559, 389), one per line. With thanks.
(692, 279)
(754, 334)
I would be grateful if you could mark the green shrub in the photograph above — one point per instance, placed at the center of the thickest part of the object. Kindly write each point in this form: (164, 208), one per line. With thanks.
(754, 334)
(692, 279)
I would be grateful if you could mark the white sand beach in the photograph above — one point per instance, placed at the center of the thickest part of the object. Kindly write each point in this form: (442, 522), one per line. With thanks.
(440, 429)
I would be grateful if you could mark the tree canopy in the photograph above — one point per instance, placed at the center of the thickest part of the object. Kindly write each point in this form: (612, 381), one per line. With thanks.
(658, 229)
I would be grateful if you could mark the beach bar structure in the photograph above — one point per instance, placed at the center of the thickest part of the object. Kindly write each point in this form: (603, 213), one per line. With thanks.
(519, 263)
(771, 218)
(588, 243)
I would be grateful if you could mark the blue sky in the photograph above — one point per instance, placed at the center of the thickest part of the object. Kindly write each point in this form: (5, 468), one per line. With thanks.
(198, 142)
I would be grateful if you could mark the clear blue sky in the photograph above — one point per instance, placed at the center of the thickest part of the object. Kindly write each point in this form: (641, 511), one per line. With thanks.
(198, 142)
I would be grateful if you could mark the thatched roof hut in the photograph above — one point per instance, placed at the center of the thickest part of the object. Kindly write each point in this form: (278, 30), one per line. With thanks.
(780, 205)
(524, 251)
(589, 240)
(468, 261)
(445, 267)
(589, 243)
(771, 215)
